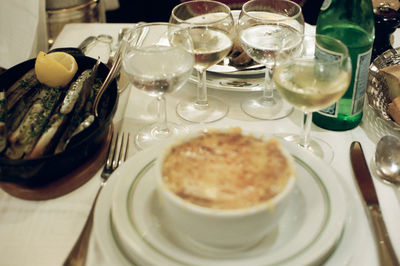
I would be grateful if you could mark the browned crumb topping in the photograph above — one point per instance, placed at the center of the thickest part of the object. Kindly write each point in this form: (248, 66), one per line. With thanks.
(226, 170)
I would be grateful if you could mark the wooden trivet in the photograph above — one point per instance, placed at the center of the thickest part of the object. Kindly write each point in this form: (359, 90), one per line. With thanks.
(65, 184)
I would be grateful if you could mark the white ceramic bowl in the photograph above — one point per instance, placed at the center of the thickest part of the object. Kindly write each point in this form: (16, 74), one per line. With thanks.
(224, 229)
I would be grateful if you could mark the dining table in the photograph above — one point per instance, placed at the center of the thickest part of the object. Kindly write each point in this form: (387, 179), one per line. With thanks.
(42, 232)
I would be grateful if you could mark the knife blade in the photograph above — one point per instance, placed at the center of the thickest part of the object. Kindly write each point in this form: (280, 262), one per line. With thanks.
(361, 171)
(387, 255)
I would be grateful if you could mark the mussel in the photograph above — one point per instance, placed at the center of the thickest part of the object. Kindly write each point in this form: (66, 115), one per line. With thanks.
(38, 120)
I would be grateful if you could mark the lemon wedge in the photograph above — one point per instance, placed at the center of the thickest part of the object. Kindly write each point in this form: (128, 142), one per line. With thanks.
(55, 69)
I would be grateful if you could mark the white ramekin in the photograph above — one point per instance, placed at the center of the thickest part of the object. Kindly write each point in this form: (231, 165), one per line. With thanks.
(228, 230)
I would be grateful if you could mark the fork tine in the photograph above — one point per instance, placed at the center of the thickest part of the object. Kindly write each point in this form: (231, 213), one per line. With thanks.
(126, 147)
(110, 151)
(121, 150)
(117, 153)
(114, 163)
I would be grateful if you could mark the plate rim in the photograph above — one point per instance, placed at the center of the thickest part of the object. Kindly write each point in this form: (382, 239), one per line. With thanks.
(328, 222)
(104, 239)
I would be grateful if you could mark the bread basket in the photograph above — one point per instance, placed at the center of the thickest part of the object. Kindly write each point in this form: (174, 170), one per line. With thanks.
(377, 91)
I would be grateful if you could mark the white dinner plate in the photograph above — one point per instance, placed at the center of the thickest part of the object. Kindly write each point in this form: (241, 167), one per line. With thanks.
(232, 83)
(224, 68)
(308, 232)
(324, 178)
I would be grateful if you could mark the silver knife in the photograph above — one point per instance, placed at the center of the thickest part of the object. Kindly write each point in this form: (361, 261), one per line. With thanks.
(387, 255)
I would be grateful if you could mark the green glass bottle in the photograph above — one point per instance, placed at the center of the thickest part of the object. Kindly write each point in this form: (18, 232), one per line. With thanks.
(352, 22)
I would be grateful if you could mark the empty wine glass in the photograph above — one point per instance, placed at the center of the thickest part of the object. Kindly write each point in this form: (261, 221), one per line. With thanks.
(158, 59)
(211, 27)
(312, 79)
(264, 28)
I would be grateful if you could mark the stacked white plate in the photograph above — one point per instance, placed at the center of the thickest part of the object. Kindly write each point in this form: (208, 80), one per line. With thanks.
(317, 226)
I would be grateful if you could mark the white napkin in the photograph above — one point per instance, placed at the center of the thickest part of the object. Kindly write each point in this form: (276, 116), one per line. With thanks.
(23, 31)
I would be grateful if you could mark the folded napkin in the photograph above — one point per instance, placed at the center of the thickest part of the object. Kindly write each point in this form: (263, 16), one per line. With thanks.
(23, 31)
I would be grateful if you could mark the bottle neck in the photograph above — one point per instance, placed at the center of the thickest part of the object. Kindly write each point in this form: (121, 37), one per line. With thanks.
(356, 12)
(386, 22)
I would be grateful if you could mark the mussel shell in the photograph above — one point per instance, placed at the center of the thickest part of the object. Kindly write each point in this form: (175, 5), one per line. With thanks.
(38, 172)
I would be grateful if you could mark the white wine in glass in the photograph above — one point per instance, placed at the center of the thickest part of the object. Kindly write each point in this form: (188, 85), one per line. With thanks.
(211, 46)
(211, 26)
(158, 60)
(264, 28)
(313, 79)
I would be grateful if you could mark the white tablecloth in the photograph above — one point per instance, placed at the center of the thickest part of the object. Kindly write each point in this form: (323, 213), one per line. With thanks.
(23, 31)
(43, 232)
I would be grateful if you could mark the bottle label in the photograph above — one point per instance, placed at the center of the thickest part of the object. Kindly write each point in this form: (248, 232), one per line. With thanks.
(360, 85)
(325, 4)
(360, 82)
(323, 53)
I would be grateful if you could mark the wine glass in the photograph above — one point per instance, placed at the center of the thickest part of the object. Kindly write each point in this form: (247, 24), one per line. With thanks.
(312, 79)
(264, 28)
(158, 59)
(211, 27)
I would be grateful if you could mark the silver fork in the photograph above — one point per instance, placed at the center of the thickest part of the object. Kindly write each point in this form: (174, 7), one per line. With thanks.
(117, 153)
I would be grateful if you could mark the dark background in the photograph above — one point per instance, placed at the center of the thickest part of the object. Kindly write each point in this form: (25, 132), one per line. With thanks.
(159, 10)
(142, 10)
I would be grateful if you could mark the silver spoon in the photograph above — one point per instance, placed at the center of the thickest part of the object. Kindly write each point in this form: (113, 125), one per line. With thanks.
(387, 161)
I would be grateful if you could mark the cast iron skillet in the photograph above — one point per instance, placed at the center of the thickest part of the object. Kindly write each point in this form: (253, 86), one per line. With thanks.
(38, 172)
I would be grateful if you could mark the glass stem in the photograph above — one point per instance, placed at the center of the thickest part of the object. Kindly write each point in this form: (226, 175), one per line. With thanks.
(202, 89)
(162, 125)
(268, 92)
(305, 139)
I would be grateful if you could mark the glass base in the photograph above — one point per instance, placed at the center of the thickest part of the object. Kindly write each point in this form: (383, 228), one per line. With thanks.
(152, 134)
(261, 107)
(317, 146)
(191, 111)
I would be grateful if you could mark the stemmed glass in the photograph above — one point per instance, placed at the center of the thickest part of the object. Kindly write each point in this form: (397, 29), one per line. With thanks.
(158, 59)
(312, 79)
(211, 27)
(264, 28)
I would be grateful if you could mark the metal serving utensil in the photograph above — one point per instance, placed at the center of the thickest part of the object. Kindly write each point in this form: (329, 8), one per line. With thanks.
(387, 161)
(117, 153)
(86, 42)
(114, 70)
(387, 255)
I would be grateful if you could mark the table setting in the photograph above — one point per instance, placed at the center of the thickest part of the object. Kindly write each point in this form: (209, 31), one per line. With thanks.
(125, 217)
